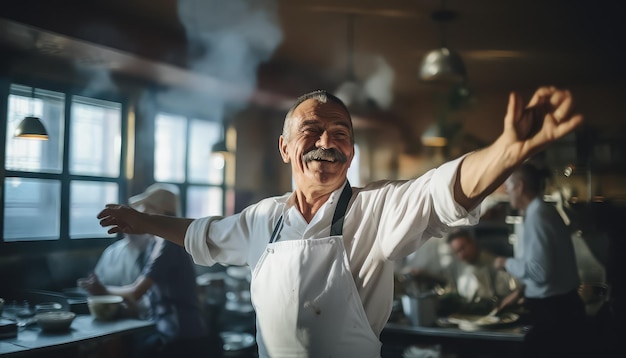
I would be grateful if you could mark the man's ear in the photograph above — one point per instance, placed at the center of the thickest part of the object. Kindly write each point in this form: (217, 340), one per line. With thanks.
(282, 147)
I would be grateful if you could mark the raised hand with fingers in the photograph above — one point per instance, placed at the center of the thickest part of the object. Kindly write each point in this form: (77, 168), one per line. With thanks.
(547, 117)
(121, 219)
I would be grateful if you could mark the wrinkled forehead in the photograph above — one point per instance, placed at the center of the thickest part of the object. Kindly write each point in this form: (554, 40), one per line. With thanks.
(312, 109)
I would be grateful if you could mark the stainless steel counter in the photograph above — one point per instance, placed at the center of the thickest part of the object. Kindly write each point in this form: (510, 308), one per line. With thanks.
(498, 342)
(84, 329)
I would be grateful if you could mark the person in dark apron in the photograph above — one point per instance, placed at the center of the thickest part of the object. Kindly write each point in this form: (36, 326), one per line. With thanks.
(323, 256)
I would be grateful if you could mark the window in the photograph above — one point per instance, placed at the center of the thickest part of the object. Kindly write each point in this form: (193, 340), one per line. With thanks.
(54, 189)
(183, 156)
(354, 176)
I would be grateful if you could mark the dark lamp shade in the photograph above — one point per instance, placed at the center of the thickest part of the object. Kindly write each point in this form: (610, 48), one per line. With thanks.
(442, 66)
(219, 147)
(31, 128)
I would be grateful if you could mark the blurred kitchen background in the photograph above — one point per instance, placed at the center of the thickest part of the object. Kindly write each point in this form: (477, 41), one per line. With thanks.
(194, 93)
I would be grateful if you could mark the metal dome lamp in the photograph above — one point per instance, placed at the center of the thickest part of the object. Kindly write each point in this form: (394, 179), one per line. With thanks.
(442, 65)
(31, 126)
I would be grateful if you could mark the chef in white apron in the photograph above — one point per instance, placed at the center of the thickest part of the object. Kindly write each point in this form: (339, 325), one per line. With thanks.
(323, 257)
(315, 305)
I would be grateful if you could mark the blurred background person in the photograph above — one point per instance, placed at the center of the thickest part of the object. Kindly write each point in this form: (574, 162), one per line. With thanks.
(547, 266)
(473, 275)
(469, 283)
(166, 283)
(123, 261)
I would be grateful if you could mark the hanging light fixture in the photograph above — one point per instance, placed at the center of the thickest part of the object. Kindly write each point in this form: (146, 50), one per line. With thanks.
(223, 146)
(31, 126)
(442, 65)
(219, 147)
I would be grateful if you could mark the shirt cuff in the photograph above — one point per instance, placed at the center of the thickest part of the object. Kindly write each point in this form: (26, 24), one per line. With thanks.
(196, 240)
(448, 210)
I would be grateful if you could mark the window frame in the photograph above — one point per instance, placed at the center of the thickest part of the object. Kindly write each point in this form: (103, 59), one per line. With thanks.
(63, 242)
(184, 186)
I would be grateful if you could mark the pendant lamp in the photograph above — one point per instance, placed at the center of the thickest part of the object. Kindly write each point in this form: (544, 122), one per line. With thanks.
(222, 146)
(31, 126)
(219, 147)
(442, 65)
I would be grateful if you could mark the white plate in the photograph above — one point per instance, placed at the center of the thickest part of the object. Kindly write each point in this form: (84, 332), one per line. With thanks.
(476, 322)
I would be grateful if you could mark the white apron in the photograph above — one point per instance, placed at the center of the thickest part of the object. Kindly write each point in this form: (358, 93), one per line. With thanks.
(306, 301)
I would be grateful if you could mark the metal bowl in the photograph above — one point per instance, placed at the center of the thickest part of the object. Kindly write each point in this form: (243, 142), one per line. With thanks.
(55, 321)
(106, 307)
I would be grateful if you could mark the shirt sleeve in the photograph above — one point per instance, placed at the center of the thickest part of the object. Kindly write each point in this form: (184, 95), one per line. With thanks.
(441, 188)
(232, 240)
(196, 241)
(416, 210)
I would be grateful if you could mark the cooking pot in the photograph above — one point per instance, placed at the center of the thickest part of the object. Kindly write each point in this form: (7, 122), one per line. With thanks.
(420, 309)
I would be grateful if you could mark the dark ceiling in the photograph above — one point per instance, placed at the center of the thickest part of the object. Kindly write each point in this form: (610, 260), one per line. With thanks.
(283, 48)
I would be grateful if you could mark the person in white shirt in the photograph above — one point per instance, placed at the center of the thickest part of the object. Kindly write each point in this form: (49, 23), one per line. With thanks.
(322, 257)
(165, 291)
(122, 262)
(470, 282)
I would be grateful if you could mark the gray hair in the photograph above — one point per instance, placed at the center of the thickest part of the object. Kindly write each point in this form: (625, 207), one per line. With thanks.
(321, 96)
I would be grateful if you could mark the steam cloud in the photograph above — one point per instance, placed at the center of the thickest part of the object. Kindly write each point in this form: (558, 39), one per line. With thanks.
(377, 87)
(228, 40)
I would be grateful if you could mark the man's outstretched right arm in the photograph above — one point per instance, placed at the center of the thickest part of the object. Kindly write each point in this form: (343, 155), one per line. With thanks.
(123, 219)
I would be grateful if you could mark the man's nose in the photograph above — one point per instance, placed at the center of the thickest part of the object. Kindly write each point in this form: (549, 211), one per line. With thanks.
(324, 141)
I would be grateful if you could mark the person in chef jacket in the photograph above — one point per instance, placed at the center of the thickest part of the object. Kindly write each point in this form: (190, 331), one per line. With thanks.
(322, 257)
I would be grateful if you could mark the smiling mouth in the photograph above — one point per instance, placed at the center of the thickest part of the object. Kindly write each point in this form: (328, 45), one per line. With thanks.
(320, 159)
(324, 155)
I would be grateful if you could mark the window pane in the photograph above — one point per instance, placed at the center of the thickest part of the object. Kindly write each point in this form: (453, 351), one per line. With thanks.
(31, 210)
(96, 137)
(169, 148)
(204, 201)
(87, 199)
(203, 167)
(30, 154)
(354, 176)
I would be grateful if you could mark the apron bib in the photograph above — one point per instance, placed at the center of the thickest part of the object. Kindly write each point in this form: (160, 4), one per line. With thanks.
(306, 301)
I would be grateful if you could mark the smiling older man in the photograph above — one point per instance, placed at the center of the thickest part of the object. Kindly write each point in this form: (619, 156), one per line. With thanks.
(322, 257)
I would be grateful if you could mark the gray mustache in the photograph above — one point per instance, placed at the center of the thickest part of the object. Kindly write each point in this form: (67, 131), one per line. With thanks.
(331, 155)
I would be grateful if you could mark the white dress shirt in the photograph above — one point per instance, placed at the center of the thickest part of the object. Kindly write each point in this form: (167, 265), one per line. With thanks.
(385, 221)
(119, 263)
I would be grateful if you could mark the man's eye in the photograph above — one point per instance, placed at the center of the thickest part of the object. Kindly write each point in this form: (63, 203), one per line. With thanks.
(310, 131)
